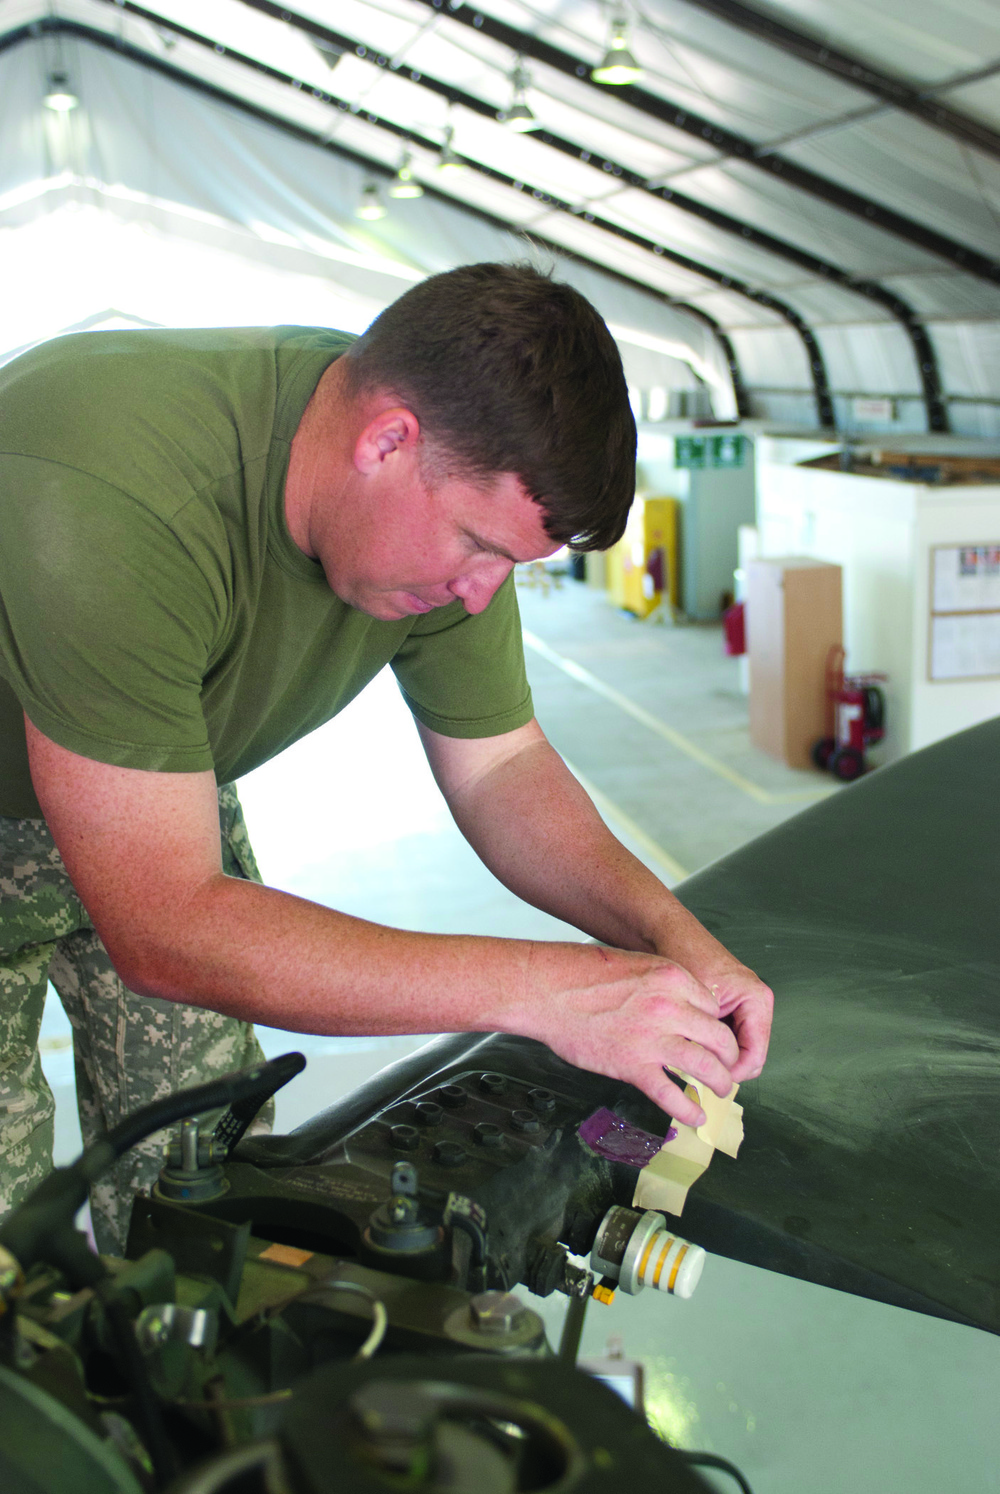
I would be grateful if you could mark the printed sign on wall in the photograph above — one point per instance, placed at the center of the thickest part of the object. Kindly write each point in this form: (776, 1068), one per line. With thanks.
(965, 612)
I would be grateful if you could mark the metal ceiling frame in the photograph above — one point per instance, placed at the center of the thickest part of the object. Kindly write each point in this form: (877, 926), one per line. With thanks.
(106, 41)
(925, 356)
(727, 143)
(825, 411)
(897, 92)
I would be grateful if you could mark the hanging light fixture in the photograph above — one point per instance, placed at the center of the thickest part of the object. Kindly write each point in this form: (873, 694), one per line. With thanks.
(519, 116)
(370, 205)
(449, 160)
(404, 183)
(59, 98)
(330, 52)
(617, 66)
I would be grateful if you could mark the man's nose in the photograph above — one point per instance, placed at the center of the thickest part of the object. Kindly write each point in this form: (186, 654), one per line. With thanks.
(479, 585)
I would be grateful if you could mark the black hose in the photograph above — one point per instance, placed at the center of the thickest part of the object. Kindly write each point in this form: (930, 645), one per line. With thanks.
(465, 1214)
(258, 1083)
(274, 1076)
(711, 1460)
(52, 1205)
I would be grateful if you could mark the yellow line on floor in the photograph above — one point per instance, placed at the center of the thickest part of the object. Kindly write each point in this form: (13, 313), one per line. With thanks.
(609, 810)
(668, 733)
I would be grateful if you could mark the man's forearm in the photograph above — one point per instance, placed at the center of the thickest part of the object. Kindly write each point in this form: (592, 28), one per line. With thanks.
(268, 956)
(538, 831)
(263, 955)
(142, 849)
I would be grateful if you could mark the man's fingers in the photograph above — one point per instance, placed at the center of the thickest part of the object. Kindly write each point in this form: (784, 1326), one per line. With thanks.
(715, 1042)
(752, 1031)
(751, 1023)
(704, 1068)
(749, 1065)
(672, 1099)
(653, 1017)
(699, 996)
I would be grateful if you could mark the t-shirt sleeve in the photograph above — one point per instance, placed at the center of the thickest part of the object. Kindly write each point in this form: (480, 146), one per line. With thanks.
(106, 622)
(464, 676)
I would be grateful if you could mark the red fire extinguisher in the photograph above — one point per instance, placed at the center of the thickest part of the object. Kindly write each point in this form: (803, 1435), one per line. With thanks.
(855, 718)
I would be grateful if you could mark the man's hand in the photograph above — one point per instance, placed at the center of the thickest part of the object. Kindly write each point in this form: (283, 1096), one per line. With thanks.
(636, 1017)
(747, 1005)
(533, 825)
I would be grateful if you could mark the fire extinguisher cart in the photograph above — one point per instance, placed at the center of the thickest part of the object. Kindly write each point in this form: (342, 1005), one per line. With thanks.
(855, 718)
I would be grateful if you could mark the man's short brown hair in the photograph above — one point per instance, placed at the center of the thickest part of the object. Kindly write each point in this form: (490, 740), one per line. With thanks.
(508, 370)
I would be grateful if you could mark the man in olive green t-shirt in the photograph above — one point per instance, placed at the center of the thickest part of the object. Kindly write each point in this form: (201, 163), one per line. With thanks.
(212, 541)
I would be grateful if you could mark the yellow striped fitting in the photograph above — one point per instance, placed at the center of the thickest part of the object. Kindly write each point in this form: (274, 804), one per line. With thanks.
(645, 1255)
(677, 1265)
(669, 1245)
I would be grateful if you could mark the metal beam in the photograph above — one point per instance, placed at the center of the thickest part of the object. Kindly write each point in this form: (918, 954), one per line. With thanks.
(340, 42)
(52, 26)
(871, 290)
(897, 92)
(824, 402)
(727, 143)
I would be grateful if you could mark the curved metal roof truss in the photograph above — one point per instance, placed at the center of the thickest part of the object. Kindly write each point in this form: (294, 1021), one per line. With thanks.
(636, 179)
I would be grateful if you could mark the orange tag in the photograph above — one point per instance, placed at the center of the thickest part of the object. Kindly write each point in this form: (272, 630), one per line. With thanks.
(286, 1255)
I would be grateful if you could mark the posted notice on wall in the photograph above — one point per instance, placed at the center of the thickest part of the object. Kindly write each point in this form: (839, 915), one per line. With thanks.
(965, 612)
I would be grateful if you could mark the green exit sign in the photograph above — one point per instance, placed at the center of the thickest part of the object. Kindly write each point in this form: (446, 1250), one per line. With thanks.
(691, 451)
(728, 450)
(711, 451)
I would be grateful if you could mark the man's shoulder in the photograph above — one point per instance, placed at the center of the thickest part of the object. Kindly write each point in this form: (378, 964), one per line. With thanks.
(163, 409)
(131, 361)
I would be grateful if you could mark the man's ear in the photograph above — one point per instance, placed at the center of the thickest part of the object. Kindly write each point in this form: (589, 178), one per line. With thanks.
(391, 431)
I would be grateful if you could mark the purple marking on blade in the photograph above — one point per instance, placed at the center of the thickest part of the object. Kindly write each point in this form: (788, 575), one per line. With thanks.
(607, 1135)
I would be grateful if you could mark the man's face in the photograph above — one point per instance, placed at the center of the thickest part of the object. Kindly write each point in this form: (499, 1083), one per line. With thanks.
(403, 547)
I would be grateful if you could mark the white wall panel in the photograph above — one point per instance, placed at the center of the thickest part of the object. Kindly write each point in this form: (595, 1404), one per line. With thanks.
(775, 358)
(904, 164)
(784, 411)
(969, 355)
(910, 418)
(976, 420)
(947, 293)
(870, 360)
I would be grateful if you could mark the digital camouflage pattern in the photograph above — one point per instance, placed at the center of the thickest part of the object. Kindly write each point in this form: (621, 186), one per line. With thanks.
(127, 1049)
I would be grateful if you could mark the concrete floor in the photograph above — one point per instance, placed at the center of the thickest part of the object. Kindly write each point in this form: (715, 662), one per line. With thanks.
(805, 1388)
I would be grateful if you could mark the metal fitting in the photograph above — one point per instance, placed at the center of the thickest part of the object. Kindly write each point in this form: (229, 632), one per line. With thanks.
(198, 1327)
(639, 1250)
(496, 1312)
(449, 1154)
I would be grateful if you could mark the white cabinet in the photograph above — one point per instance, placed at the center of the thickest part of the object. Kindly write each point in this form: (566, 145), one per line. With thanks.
(883, 533)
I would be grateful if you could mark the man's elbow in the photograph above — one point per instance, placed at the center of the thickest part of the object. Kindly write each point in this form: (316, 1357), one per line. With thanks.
(150, 964)
(162, 947)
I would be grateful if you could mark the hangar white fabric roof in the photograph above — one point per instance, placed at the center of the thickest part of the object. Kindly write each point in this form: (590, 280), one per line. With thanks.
(795, 205)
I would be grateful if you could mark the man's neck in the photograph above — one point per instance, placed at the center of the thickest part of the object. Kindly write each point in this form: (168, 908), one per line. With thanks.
(319, 448)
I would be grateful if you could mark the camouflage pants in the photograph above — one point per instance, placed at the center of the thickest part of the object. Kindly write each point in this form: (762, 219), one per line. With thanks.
(127, 1049)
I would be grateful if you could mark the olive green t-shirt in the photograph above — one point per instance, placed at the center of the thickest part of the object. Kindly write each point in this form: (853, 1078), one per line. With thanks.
(154, 610)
